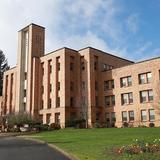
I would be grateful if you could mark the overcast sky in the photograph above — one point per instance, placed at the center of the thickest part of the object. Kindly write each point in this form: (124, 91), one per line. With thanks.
(127, 28)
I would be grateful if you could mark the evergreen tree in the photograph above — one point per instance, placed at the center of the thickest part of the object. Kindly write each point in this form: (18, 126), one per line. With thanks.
(3, 67)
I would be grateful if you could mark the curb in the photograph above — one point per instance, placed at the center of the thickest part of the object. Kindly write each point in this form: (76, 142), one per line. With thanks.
(71, 157)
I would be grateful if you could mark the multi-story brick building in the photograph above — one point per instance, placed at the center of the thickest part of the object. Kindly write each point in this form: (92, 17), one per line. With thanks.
(87, 84)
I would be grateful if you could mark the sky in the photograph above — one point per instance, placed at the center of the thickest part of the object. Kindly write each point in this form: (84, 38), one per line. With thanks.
(126, 28)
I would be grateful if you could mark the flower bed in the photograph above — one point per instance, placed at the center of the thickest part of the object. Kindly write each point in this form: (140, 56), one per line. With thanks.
(139, 147)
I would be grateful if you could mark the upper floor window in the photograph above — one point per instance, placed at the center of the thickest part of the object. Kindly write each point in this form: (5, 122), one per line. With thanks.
(71, 86)
(82, 63)
(109, 101)
(50, 66)
(146, 96)
(71, 66)
(83, 85)
(108, 85)
(96, 85)
(72, 101)
(58, 63)
(127, 98)
(58, 102)
(126, 81)
(95, 62)
(107, 67)
(145, 78)
(59, 86)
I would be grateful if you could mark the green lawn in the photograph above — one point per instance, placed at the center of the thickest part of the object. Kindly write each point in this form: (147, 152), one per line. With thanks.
(96, 144)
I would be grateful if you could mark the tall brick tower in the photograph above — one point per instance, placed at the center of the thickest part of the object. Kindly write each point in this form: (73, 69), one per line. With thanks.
(30, 47)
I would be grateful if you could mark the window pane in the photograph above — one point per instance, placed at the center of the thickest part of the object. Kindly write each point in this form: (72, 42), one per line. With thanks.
(106, 85)
(113, 117)
(151, 115)
(149, 77)
(142, 78)
(107, 117)
(143, 96)
(150, 95)
(107, 101)
(124, 116)
(131, 115)
(129, 81)
(143, 115)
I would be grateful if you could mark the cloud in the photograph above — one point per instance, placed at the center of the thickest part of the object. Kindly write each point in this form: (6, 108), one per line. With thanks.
(71, 23)
(132, 22)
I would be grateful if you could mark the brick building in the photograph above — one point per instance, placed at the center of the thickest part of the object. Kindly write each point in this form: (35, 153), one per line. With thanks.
(90, 84)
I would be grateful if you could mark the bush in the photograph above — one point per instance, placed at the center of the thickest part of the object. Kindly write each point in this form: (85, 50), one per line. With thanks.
(151, 125)
(125, 124)
(140, 146)
(54, 126)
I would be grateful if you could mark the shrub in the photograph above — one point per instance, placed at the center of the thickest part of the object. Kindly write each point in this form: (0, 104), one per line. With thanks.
(151, 125)
(125, 124)
(54, 126)
(140, 146)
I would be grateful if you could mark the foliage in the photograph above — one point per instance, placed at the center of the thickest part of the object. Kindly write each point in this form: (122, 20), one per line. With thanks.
(3, 67)
(139, 147)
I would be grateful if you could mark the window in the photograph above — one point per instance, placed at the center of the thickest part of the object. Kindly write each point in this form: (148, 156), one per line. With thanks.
(107, 67)
(82, 66)
(113, 117)
(143, 115)
(124, 116)
(96, 99)
(58, 63)
(131, 115)
(42, 67)
(108, 117)
(50, 66)
(108, 85)
(48, 118)
(151, 115)
(49, 103)
(109, 101)
(83, 85)
(126, 81)
(24, 92)
(146, 96)
(112, 100)
(127, 98)
(96, 85)
(82, 63)
(71, 66)
(50, 87)
(72, 101)
(58, 86)
(25, 75)
(145, 78)
(150, 95)
(42, 104)
(95, 62)
(58, 101)
(72, 86)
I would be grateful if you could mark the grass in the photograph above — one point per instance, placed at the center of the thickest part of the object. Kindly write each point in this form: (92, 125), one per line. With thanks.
(96, 144)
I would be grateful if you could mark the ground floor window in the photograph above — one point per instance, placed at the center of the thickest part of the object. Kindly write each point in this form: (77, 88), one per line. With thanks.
(151, 114)
(143, 115)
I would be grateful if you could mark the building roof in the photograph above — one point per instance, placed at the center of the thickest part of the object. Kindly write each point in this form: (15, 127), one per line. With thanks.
(106, 53)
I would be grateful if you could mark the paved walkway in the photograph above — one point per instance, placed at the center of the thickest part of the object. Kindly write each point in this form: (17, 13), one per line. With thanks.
(13, 148)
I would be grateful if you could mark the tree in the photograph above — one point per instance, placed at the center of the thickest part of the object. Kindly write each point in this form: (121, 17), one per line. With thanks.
(3, 67)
